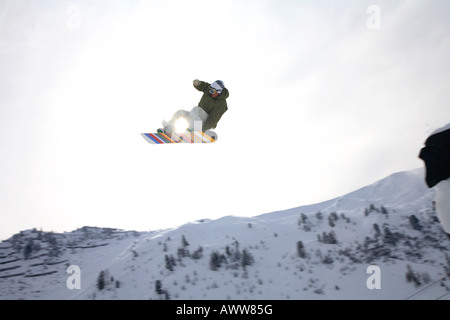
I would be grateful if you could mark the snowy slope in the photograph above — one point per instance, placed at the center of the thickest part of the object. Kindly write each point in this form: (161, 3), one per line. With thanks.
(446, 127)
(319, 251)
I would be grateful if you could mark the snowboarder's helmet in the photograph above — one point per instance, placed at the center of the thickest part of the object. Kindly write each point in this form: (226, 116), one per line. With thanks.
(216, 86)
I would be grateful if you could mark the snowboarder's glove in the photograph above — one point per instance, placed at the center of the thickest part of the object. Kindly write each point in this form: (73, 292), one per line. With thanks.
(196, 83)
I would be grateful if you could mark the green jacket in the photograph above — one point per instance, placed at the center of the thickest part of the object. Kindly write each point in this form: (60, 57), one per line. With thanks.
(215, 107)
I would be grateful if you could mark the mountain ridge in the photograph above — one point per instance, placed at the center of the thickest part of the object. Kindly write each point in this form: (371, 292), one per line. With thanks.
(318, 251)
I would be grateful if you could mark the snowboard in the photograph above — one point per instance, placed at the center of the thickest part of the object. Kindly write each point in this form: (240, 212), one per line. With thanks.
(187, 137)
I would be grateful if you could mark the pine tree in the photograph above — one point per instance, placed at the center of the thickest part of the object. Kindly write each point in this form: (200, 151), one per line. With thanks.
(327, 259)
(389, 237)
(411, 276)
(214, 261)
(247, 258)
(304, 217)
(28, 249)
(101, 280)
(158, 287)
(414, 222)
(301, 249)
(184, 241)
(334, 216)
(324, 237)
(319, 215)
(376, 227)
(332, 237)
(328, 238)
(331, 222)
(198, 254)
(228, 250)
(169, 263)
(447, 267)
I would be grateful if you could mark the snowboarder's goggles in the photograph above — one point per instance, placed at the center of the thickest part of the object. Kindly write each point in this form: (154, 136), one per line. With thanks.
(213, 91)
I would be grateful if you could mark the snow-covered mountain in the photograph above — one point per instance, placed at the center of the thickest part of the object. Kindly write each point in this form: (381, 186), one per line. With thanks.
(380, 242)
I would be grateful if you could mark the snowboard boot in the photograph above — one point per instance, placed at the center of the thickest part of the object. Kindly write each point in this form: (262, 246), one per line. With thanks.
(212, 134)
(167, 128)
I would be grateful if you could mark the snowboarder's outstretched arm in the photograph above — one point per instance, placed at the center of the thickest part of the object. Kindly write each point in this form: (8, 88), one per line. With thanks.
(201, 86)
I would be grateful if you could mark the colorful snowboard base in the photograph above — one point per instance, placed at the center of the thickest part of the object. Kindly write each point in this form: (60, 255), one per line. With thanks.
(187, 137)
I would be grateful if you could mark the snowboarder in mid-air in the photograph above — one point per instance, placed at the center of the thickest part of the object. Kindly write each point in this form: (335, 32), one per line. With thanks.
(206, 115)
(436, 155)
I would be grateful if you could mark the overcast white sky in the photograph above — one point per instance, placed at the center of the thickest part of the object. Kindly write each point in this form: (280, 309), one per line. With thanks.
(325, 97)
